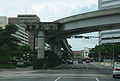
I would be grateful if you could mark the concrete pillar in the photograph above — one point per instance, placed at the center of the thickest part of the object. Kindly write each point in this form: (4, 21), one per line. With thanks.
(41, 45)
(56, 47)
(51, 46)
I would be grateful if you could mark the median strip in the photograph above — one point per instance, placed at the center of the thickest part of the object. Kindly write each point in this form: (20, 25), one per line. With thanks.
(97, 66)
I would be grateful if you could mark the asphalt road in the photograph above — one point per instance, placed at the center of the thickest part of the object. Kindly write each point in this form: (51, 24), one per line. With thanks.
(65, 72)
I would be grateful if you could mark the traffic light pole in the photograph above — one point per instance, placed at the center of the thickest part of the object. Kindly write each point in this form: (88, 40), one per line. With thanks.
(99, 47)
(113, 51)
(34, 55)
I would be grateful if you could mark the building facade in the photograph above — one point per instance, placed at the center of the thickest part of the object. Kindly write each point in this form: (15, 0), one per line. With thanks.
(82, 54)
(106, 4)
(78, 54)
(20, 20)
(86, 52)
(109, 36)
(22, 35)
(3, 21)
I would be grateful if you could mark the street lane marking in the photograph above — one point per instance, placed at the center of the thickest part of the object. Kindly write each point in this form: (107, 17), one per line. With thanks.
(78, 77)
(97, 66)
(85, 66)
(97, 79)
(72, 67)
(57, 79)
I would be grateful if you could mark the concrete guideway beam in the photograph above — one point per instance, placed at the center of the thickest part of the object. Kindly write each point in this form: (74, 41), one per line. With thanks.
(90, 22)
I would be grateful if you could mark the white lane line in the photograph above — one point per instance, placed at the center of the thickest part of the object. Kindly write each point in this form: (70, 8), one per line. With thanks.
(57, 79)
(78, 77)
(97, 66)
(85, 66)
(72, 67)
(97, 79)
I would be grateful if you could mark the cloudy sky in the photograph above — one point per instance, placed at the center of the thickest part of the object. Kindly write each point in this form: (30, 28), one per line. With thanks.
(51, 10)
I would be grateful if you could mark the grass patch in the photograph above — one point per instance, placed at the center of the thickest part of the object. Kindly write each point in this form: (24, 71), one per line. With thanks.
(23, 65)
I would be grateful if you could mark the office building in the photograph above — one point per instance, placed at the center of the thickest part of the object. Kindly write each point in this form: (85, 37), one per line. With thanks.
(20, 20)
(3, 21)
(78, 54)
(86, 52)
(22, 35)
(109, 36)
(106, 4)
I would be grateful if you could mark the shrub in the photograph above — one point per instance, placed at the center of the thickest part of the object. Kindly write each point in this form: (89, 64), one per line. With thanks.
(39, 64)
(52, 59)
(24, 65)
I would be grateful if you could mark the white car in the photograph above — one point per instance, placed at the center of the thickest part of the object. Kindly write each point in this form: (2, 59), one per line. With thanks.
(116, 70)
(70, 62)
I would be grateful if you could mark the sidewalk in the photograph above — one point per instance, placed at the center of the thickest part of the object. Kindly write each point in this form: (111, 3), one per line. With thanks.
(105, 64)
(109, 64)
(59, 66)
(30, 68)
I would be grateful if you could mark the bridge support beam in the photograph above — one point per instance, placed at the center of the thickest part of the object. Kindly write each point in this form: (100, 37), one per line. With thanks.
(41, 45)
(56, 47)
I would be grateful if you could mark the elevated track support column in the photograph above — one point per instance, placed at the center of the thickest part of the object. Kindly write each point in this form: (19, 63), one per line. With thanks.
(39, 29)
(41, 45)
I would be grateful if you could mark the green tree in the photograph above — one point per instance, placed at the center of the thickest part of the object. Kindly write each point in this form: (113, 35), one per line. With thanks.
(8, 43)
(25, 52)
(106, 51)
(4, 54)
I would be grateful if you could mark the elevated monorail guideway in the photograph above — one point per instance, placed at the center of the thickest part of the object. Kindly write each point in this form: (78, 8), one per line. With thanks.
(90, 22)
(78, 24)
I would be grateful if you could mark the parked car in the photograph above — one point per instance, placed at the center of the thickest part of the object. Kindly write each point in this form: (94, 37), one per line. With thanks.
(116, 70)
(80, 61)
(70, 62)
(87, 61)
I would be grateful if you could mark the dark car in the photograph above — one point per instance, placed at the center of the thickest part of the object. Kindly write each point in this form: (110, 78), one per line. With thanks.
(80, 61)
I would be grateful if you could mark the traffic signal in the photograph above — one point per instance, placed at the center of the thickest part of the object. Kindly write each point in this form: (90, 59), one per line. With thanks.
(87, 37)
(70, 37)
(78, 36)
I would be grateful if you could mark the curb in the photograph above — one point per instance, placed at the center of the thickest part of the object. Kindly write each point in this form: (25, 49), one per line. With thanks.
(57, 66)
(105, 64)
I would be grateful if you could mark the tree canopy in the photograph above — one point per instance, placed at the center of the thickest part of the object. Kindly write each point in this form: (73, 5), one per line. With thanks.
(9, 47)
(106, 51)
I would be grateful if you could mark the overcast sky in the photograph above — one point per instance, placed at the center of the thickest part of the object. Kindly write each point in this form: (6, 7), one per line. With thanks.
(51, 10)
